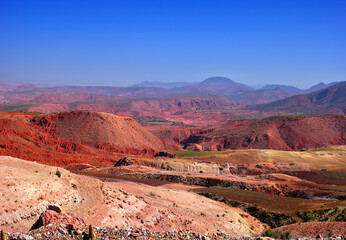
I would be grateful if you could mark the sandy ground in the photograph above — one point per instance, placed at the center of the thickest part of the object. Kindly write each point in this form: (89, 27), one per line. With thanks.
(27, 188)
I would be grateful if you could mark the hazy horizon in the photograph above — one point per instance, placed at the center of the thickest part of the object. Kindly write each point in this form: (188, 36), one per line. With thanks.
(109, 43)
(255, 85)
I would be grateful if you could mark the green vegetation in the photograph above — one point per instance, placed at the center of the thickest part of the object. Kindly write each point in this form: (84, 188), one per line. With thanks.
(271, 218)
(272, 203)
(336, 214)
(17, 107)
(150, 119)
(58, 173)
(277, 234)
(184, 153)
(300, 194)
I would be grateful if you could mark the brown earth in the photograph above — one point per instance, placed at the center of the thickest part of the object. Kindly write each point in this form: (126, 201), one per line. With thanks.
(28, 188)
(280, 133)
(74, 137)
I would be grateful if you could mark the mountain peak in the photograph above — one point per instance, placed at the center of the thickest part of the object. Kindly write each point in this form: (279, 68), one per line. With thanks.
(217, 80)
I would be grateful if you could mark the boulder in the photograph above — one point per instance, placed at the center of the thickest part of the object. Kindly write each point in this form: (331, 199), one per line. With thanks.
(58, 218)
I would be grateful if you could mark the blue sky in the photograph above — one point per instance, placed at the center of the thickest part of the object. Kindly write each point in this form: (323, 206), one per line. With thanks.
(297, 42)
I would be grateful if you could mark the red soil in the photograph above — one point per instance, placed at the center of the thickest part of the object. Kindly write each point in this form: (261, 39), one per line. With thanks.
(280, 133)
(74, 137)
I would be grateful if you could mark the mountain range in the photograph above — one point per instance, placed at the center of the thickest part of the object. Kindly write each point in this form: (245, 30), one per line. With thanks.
(328, 100)
(218, 86)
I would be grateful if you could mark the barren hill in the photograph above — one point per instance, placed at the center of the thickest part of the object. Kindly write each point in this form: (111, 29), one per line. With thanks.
(281, 133)
(73, 137)
(97, 128)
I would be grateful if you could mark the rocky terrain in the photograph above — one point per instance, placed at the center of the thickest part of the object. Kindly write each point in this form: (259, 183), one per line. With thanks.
(29, 188)
(188, 165)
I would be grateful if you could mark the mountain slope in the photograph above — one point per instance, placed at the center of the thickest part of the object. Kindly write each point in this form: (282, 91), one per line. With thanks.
(319, 86)
(328, 100)
(286, 88)
(280, 133)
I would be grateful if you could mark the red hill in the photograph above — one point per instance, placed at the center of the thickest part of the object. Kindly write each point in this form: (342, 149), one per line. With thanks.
(73, 137)
(281, 133)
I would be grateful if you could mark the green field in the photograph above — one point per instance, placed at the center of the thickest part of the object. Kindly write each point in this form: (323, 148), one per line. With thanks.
(185, 153)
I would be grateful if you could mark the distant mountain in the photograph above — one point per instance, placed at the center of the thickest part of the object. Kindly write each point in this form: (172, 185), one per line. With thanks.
(328, 100)
(163, 84)
(294, 90)
(99, 90)
(8, 86)
(213, 86)
(256, 86)
(222, 82)
(259, 96)
(319, 86)
(216, 86)
(286, 88)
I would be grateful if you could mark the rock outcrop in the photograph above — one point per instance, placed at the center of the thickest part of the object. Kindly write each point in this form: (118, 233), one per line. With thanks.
(58, 218)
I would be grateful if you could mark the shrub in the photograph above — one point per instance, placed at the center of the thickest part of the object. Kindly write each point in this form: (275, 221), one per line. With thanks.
(300, 194)
(58, 173)
(268, 233)
(281, 234)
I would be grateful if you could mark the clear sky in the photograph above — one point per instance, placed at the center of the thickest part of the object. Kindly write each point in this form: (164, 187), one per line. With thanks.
(70, 42)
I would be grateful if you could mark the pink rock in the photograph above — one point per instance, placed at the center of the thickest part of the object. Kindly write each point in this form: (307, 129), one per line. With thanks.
(55, 218)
